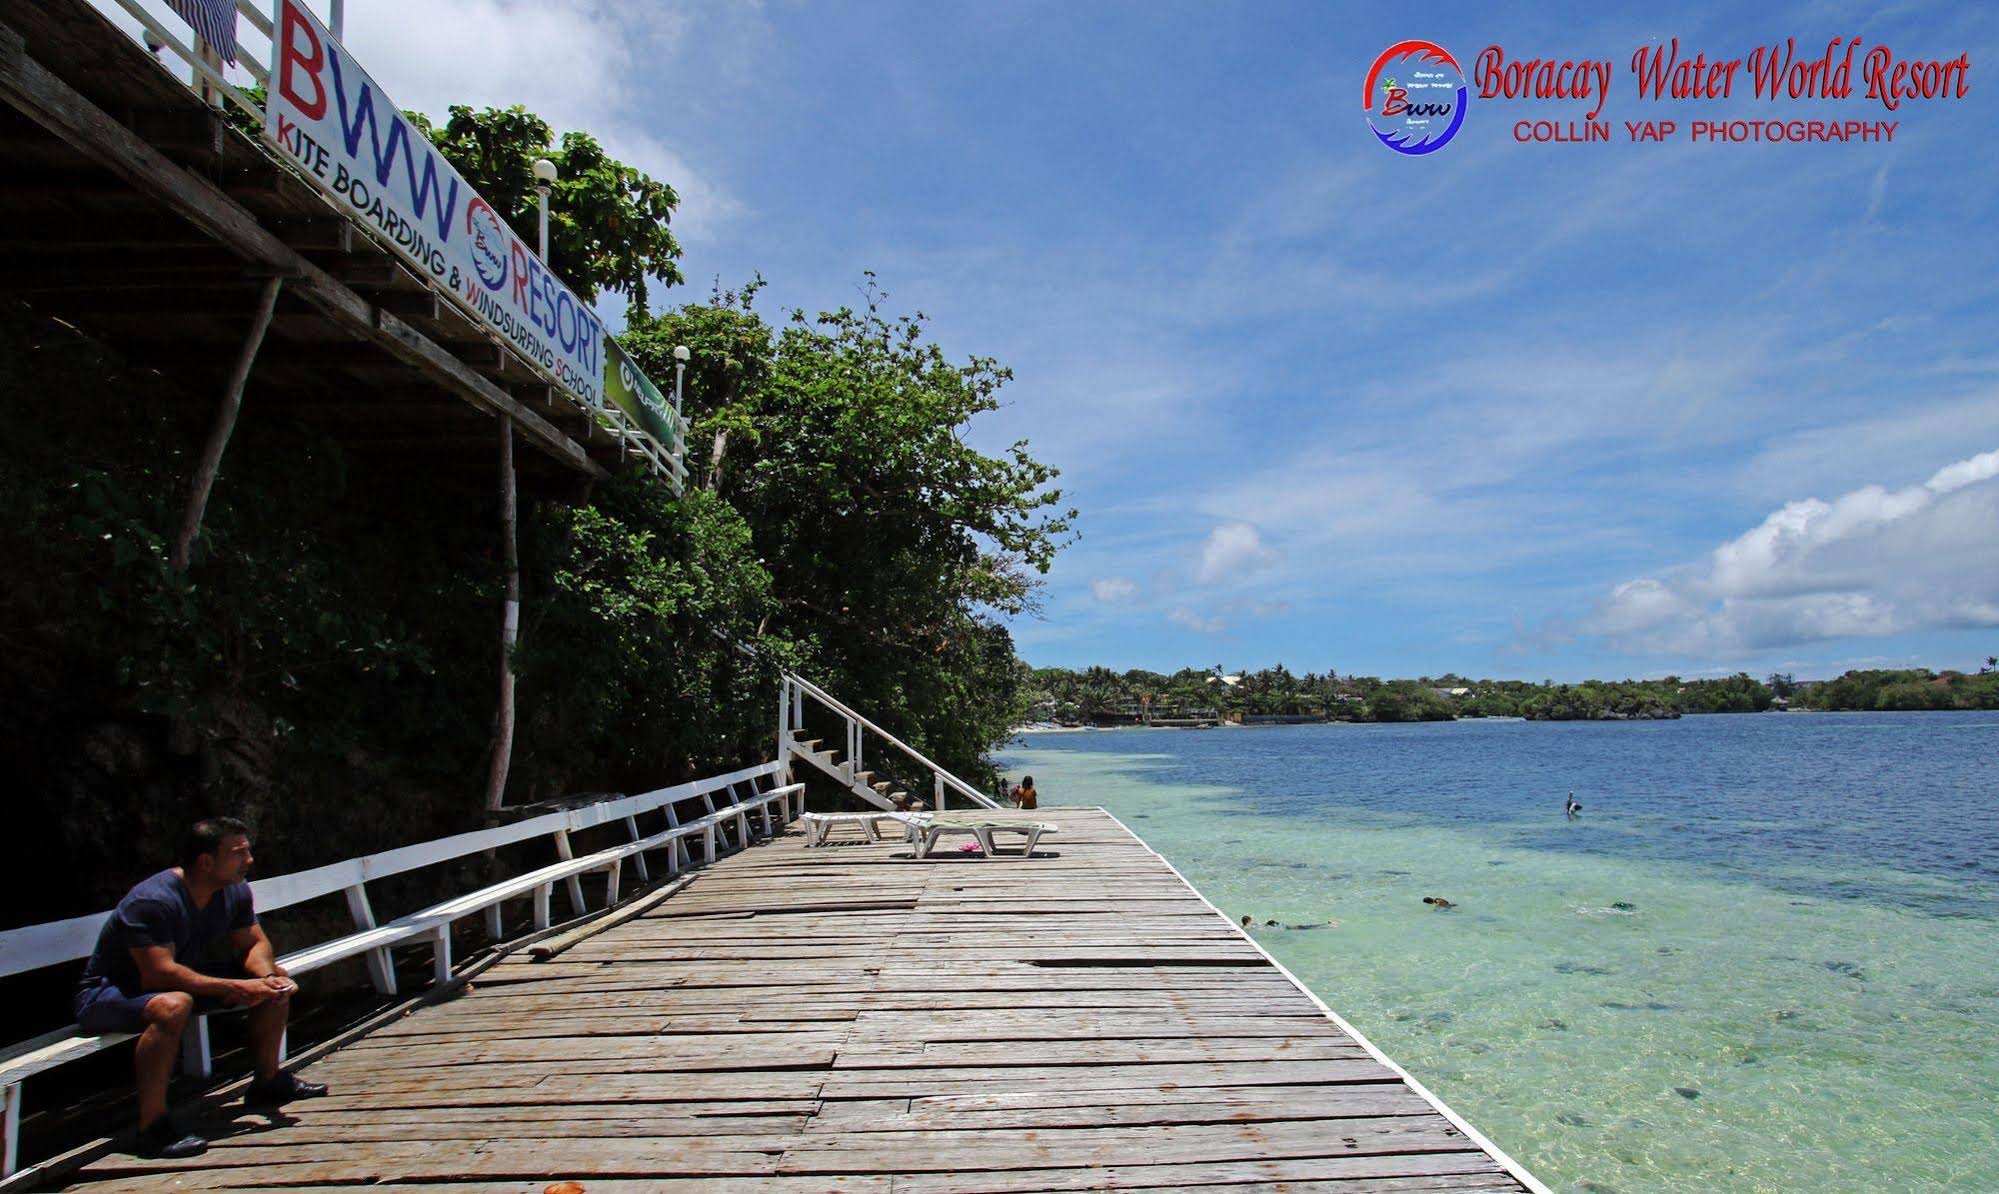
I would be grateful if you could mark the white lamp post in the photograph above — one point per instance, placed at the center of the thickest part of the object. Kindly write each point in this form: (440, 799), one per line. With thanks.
(544, 178)
(680, 355)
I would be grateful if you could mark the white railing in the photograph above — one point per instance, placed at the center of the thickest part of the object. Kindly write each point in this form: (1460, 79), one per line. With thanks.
(204, 62)
(791, 720)
(664, 460)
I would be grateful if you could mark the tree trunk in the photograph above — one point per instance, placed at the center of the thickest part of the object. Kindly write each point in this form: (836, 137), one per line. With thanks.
(716, 455)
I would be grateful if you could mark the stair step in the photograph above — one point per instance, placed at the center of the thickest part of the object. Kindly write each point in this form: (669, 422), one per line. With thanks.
(864, 777)
(882, 787)
(809, 745)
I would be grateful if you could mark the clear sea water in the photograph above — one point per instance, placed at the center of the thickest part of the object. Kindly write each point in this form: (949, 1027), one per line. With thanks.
(1765, 956)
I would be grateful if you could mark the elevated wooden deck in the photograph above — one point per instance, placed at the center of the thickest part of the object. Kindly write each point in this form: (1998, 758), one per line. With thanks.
(847, 1019)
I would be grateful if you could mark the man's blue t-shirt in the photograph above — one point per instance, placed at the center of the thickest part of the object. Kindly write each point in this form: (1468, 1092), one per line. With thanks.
(159, 911)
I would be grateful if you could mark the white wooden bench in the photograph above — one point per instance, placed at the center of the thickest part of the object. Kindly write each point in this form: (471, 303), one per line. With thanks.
(743, 794)
(924, 834)
(819, 826)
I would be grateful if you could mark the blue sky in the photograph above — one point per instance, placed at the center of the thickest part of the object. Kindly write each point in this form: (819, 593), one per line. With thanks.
(1537, 411)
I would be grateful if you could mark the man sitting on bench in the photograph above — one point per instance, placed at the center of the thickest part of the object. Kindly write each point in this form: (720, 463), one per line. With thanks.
(142, 977)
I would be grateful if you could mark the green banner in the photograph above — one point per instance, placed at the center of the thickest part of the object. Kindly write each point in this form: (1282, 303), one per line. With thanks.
(631, 391)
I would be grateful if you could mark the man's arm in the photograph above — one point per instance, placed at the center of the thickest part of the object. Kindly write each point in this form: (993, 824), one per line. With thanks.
(158, 971)
(260, 959)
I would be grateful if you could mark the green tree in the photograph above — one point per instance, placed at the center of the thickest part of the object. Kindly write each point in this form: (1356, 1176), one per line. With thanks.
(893, 545)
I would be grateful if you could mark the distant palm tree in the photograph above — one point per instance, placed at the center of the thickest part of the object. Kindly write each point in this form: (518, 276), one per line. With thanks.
(1991, 661)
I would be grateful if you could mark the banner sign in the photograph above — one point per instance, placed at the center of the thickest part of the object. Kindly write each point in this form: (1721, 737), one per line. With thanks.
(333, 120)
(633, 392)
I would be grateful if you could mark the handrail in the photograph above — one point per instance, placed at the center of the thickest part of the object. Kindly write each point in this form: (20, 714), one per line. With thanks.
(856, 719)
(201, 67)
(32, 947)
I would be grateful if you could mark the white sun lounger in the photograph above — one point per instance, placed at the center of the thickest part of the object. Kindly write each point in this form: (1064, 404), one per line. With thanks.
(924, 833)
(818, 826)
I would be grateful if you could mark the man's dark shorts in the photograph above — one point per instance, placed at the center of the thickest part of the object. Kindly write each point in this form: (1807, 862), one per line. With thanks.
(103, 1006)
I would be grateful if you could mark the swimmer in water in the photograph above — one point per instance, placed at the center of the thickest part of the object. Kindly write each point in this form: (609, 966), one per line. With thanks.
(1438, 902)
(1573, 807)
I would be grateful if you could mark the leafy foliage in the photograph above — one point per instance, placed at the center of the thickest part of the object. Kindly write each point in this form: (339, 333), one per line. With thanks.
(891, 543)
(629, 656)
(308, 671)
(1904, 689)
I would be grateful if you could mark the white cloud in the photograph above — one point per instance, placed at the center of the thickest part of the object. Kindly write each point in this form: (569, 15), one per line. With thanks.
(1187, 619)
(1114, 590)
(1233, 550)
(1871, 562)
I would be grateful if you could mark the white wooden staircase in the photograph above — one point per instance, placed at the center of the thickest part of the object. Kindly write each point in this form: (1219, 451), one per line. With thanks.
(845, 761)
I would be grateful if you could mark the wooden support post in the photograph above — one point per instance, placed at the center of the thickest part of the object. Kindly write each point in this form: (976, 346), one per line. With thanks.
(441, 954)
(541, 895)
(575, 882)
(194, 1057)
(225, 425)
(785, 728)
(494, 928)
(11, 1158)
(510, 627)
(381, 968)
(678, 857)
(937, 780)
(639, 859)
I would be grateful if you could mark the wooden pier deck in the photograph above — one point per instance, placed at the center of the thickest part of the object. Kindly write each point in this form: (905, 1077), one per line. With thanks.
(849, 1019)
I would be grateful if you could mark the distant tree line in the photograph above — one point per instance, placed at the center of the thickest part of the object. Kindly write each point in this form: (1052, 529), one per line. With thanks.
(1904, 689)
(1098, 695)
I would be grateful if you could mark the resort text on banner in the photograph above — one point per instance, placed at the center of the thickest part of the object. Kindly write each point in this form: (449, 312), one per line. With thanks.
(348, 137)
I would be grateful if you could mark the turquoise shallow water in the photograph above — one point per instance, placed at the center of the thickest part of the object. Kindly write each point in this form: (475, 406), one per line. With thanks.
(1766, 957)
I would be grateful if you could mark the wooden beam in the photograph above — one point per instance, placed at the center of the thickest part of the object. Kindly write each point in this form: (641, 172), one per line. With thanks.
(190, 133)
(420, 304)
(388, 414)
(539, 396)
(374, 273)
(167, 303)
(328, 235)
(37, 93)
(225, 425)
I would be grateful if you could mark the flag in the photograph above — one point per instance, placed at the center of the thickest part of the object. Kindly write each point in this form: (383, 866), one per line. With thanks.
(214, 21)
